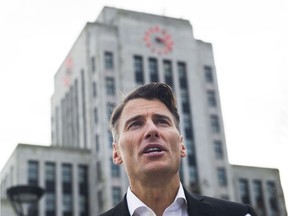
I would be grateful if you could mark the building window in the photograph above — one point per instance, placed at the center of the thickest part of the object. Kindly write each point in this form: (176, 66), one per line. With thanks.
(218, 148)
(185, 100)
(50, 172)
(50, 188)
(190, 146)
(83, 202)
(109, 64)
(110, 107)
(191, 160)
(215, 125)
(244, 191)
(83, 174)
(116, 195)
(93, 65)
(83, 108)
(115, 169)
(208, 74)
(67, 205)
(100, 200)
(33, 178)
(99, 171)
(153, 69)
(50, 204)
(211, 97)
(110, 139)
(138, 69)
(97, 143)
(83, 190)
(193, 173)
(33, 171)
(272, 198)
(95, 115)
(188, 126)
(66, 173)
(76, 113)
(110, 86)
(168, 72)
(182, 75)
(57, 125)
(222, 179)
(94, 86)
(67, 189)
(259, 198)
(187, 121)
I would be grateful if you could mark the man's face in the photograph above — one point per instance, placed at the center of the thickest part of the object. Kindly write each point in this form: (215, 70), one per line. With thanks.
(149, 142)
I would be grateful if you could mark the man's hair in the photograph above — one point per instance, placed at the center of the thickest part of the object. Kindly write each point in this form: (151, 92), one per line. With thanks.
(159, 91)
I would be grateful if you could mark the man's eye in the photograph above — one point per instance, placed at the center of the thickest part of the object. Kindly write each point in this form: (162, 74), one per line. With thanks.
(162, 121)
(134, 124)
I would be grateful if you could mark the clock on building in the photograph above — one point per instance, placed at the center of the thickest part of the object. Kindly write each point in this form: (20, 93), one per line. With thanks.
(68, 71)
(158, 40)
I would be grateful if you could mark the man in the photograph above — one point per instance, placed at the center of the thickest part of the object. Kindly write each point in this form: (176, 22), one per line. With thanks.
(148, 143)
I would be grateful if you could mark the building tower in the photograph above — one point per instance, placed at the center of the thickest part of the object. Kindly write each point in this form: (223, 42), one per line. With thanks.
(119, 51)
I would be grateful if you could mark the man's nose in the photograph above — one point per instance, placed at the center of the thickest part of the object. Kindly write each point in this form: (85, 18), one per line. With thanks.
(152, 131)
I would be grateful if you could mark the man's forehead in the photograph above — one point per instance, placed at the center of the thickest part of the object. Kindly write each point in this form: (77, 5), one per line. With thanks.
(141, 106)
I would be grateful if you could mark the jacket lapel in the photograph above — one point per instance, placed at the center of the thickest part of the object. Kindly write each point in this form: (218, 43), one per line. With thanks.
(195, 205)
(121, 208)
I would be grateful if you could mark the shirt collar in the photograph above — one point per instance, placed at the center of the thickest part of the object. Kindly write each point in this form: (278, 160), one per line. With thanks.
(135, 203)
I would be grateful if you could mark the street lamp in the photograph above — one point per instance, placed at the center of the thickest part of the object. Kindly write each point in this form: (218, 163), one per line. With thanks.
(24, 196)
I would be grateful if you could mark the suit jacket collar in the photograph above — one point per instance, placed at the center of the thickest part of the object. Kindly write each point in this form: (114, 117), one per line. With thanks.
(195, 206)
(122, 208)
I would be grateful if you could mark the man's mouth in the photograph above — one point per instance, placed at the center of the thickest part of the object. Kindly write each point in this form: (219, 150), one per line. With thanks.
(152, 149)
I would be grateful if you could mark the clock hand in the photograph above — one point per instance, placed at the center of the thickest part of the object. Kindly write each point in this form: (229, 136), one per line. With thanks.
(160, 40)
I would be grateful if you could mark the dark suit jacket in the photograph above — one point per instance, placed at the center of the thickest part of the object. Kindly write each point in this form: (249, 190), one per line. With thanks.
(197, 206)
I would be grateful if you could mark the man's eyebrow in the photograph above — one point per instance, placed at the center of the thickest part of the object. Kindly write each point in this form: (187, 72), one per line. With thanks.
(157, 115)
(132, 119)
(137, 117)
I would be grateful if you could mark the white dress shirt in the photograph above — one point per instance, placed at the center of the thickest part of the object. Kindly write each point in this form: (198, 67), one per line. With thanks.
(138, 208)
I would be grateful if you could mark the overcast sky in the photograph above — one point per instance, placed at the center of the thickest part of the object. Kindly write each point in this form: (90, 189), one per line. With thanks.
(250, 42)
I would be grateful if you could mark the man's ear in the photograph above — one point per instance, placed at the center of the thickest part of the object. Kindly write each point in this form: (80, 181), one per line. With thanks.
(183, 151)
(116, 154)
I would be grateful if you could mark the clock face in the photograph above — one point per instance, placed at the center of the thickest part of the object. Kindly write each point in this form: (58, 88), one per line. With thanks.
(158, 40)
(68, 71)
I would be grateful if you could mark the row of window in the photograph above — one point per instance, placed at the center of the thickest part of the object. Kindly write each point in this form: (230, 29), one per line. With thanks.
(187, 118)
(110, 90)
(215, 125)
(259, 193)
(214, 119)
(154, 71)
(108, 62)
(66, 185)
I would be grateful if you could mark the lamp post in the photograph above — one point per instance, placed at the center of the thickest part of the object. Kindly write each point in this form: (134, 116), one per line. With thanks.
(24, 196)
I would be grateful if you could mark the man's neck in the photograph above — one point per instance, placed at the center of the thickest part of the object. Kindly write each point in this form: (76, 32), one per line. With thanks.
(157, 195)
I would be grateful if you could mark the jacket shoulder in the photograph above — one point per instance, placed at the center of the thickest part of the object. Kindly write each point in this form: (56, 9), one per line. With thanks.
(107, 213)
(120, 209)
(225, 207)
(110, 212)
